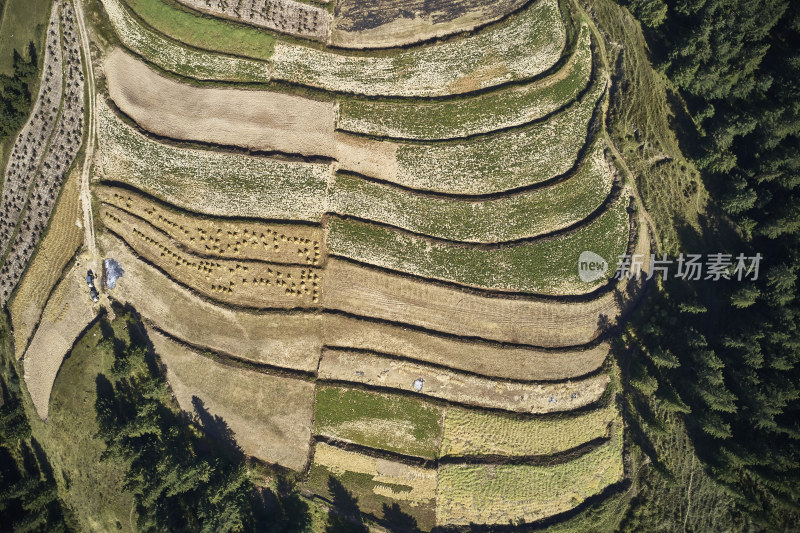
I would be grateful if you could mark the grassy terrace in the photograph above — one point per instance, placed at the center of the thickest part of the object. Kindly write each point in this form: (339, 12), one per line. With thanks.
(501, 161)
(543, 267)
(474, 432)
(448, 68)
(209, 182)
(500, 219)
(175, 57)
(208, 33)
(471, 115)
(524, 493)
(384, 421)
(523, 47)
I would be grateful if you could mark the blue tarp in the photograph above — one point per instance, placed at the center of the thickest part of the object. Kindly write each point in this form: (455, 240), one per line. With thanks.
(113, 272)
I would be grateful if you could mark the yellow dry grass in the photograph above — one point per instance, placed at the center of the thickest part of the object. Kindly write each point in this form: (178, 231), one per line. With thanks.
(499, 494)
(494, 360)
(258, 120)
(453, 386)
(473, 432)
(245, 283)
(277, 243)
(284, 340)
(67, 313)
(56, 249)
(269, 415)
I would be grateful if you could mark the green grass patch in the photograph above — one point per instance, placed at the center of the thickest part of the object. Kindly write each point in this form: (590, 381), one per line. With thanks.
(174, 57)
(531, 213)
(501, 161)
(208, 33)
(472, 115)
(383, 421)
(23, 22)
(546, 267)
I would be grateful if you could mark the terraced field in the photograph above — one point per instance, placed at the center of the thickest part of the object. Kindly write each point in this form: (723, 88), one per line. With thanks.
(362, 256)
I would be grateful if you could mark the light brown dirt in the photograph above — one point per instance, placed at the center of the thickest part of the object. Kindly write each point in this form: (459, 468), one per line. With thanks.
(257, 120)
(369, 157)
(453, 386)
(67, 313)
(269, 415)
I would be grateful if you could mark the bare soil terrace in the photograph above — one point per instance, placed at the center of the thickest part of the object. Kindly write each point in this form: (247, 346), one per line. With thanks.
(269, 415)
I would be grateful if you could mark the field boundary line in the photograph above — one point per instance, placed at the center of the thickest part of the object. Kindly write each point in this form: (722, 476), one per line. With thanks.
(603, 336)
(401, 358)
(600, 402)
(614, 194)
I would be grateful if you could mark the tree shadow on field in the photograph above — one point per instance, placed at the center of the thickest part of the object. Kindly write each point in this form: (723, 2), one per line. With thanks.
(344, 515)
(398, 521)
(41, 457)
(282, 511)
(216, 428)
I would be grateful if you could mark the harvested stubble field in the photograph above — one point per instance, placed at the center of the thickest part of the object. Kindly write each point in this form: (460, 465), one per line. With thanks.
(199, 31)
(496, 219)
(472, 115)
(547, 266)
(386, 23)
(175, 57)
(289, 341)
(285, 16)
(488, 359)
(501, 161)
(269, 415)
(547, 323)
(389, 373)
(56, 249)
(209, 182)
(499, 494)
(67, 313)
(237, 282)
(256, 120)
(277, 243)
(519, 48)
(377, 420)
(376, 482)
(60, 151)
(295, 341)
(469, 432)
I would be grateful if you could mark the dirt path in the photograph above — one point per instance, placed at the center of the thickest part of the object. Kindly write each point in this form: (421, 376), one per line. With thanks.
(619, 160)
(86, 199)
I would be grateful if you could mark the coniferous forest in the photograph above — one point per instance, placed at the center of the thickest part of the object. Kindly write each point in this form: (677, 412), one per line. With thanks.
(724, 356)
